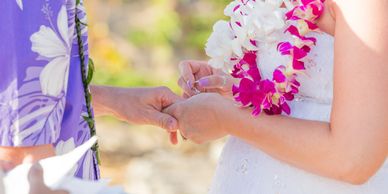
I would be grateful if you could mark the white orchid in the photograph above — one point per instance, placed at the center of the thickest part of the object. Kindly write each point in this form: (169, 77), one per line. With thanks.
(54, 46)
(222, 46)
(266, 19)
(251, 23)
(260, 21)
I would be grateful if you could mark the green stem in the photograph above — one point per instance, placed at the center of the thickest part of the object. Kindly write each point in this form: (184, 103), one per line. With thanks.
(85, 81)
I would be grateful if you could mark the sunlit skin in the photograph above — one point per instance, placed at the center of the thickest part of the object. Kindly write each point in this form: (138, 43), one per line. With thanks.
(133, 105)
(356, 136)
(140, 106)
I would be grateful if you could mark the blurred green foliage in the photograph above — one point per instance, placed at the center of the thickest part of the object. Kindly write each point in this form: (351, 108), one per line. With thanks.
(140, 42)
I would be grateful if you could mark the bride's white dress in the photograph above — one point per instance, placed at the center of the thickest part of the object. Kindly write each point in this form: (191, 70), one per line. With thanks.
(245, 169)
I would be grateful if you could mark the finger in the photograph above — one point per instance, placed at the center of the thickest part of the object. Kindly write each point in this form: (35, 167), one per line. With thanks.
(185, 87)
(36, 174)
(174, 137)
(188, 69)
(186, 96)
(213, 82)
(164, 121)
(37, 185)
(171, 110)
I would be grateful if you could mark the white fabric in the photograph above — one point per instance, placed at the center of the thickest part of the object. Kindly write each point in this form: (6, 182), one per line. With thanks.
(244, 169)
(56, 175)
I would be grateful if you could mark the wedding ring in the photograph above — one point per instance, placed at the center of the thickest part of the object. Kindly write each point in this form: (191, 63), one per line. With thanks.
(193, 88)
(188, 83)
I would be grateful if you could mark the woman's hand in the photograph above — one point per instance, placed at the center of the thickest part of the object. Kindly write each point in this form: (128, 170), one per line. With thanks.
(198, 76)
(137, 105)
(200, 117)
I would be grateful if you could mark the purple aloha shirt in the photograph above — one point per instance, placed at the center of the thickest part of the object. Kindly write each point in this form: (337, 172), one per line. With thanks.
(41, 93)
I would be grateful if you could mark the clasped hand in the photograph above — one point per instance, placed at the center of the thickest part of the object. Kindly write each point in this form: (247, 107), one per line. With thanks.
(206, 93)
(196, 115)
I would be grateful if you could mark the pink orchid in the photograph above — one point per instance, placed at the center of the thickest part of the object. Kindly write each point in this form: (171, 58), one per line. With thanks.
(293, 30)
(278, 75)
(272, 96)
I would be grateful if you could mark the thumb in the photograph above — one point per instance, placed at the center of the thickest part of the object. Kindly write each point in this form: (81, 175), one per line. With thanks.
(213, 82)
(37, 185)
(164, 121)
(36, 174)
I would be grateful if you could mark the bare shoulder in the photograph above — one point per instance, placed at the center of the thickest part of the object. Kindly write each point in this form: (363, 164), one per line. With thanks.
(356, 12)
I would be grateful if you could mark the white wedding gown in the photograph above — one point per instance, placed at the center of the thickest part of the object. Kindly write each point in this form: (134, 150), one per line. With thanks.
(245, 169)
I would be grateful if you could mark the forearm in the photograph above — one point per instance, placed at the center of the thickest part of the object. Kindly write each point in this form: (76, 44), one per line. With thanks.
(309, 145)
(142, 106)
(18, 155)
(103, 100)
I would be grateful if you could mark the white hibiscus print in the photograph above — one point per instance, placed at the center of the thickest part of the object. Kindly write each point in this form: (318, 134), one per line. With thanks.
(20, 4)
(55, 47)
(64, 147)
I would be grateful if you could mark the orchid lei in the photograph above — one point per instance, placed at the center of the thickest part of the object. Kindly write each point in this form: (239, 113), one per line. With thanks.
(234, 46)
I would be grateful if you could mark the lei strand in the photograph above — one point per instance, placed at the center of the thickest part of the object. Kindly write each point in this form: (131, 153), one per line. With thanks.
(87, 75)
(265, 95)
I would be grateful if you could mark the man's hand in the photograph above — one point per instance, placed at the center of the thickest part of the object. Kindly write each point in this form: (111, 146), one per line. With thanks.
(200, 116)
(138, 105)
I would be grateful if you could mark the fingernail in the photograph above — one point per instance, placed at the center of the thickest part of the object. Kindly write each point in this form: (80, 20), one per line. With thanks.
(171, 125)
(203, 82)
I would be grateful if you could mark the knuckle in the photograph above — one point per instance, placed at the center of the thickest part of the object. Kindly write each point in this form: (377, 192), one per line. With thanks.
(163, 91)
(183, 63)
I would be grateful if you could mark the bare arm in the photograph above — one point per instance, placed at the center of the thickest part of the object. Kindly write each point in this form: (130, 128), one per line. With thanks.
(354, 144)
(135, 105)
(357, 135)
(18, 155)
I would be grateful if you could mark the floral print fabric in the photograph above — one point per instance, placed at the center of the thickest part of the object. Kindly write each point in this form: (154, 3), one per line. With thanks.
(41, 92)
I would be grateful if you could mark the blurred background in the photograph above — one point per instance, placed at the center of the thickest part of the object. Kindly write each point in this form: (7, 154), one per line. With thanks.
(138, 43)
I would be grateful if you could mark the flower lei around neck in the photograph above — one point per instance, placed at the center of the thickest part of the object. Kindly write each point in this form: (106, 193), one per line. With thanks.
(234, 46)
